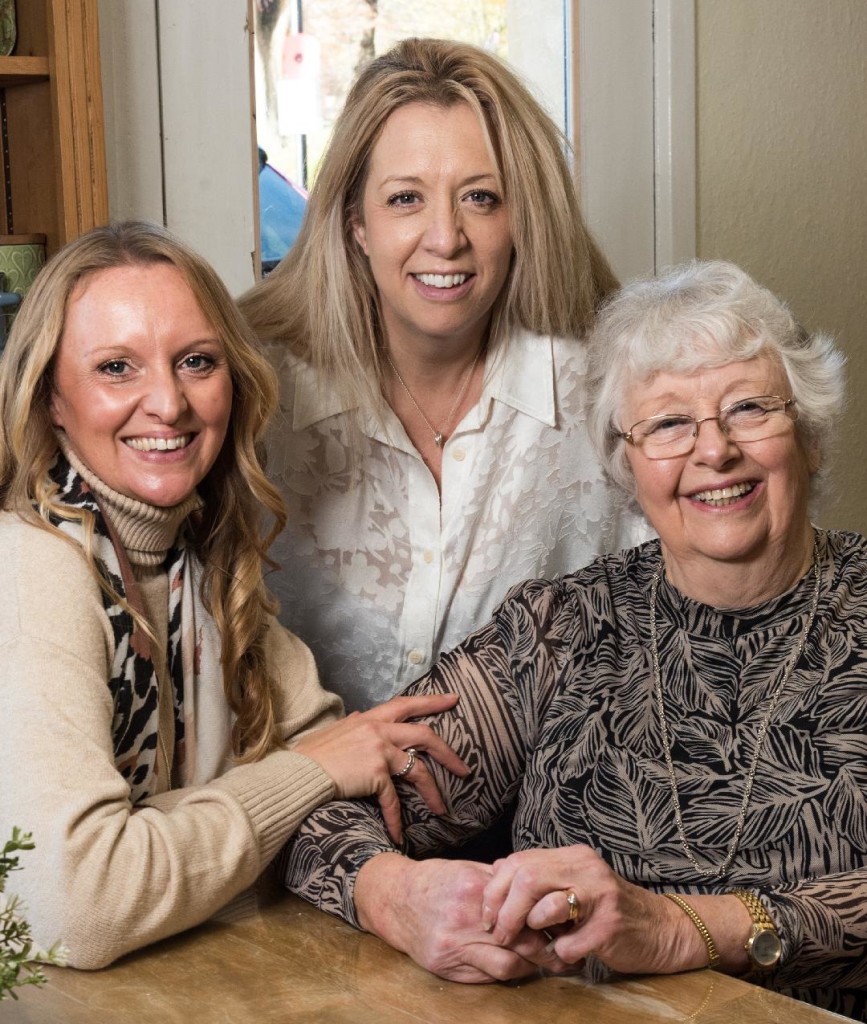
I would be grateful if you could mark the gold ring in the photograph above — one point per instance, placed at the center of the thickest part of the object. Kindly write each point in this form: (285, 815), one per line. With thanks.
(572, 900)
(410, 764)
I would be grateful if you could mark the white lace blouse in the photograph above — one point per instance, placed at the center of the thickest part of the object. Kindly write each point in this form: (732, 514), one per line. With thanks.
(379, 576)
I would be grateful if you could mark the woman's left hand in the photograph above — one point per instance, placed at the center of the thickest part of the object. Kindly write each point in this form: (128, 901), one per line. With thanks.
(628, 928)
(430, 910)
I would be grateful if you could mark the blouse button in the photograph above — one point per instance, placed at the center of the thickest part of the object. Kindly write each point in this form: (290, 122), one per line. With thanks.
(428, 556)
(415, 656)
(459, 454)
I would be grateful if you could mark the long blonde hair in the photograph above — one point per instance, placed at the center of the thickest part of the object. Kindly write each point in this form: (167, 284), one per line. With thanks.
(322, 300)
(231, 538)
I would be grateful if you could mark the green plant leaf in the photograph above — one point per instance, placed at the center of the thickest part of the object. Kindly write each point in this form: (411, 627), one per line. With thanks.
(19, 961)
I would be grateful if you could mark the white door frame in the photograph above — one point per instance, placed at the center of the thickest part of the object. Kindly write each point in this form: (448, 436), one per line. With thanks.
(180, 131)
(675, 131)
(636, 129)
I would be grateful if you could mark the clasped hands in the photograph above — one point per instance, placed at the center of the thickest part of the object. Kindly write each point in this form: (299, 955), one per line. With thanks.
(477, 923)
(544, 909)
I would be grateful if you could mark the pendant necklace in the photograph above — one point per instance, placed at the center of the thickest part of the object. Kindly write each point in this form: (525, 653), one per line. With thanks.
(438, 435)
(763, 725)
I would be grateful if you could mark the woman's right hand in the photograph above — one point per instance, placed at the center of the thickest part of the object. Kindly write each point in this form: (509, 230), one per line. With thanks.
(362, 752)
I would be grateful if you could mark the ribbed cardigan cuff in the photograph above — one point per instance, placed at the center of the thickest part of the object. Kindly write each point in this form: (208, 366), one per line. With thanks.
(277, 794)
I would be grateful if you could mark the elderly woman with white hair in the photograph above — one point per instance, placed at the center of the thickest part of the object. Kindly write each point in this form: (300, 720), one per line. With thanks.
(683, 723)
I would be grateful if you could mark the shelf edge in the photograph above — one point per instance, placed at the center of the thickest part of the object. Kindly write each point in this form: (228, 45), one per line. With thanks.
(21, 70)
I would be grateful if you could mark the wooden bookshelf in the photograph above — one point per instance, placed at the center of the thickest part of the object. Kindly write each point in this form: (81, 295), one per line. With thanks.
(53, 174)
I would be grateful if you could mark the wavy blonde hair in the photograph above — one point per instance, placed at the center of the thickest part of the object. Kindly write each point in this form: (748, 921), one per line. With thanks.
(231, 538)
(322, 300)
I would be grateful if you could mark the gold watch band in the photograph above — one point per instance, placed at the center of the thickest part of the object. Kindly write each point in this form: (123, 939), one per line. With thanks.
(756, 908)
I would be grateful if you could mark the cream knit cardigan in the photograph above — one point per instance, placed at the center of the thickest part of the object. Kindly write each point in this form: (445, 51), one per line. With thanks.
(106, 877)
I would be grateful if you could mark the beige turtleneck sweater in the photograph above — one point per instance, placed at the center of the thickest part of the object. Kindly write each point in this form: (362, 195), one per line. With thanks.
(107, 877)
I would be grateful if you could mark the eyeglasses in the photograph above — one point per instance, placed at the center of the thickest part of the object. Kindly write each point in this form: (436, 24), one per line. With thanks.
(674, 434)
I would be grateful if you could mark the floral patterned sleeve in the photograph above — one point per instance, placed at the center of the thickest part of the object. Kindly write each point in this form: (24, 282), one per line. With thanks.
(492, 728)
(823, 923)
(558, 707)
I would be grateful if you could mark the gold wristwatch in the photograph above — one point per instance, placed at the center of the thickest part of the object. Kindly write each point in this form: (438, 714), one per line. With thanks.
(763, 946)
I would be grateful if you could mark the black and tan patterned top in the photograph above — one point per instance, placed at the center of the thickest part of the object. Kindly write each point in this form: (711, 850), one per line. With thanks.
(557, 708)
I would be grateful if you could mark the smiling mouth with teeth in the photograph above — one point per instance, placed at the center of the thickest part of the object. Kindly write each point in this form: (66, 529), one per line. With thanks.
(441, 280)
(722, 496)
(158, 444)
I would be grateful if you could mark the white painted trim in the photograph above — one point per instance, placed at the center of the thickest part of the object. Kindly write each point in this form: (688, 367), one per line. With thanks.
(675, 131)
(131, 97)
(636, 124)
(205, 55)
(179, 126)
(615, 135)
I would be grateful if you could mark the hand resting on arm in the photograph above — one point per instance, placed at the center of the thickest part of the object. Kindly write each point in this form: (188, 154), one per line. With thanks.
(432, 909)
(362, 752)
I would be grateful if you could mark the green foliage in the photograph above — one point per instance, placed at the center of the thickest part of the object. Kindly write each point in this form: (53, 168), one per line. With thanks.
(18, 957)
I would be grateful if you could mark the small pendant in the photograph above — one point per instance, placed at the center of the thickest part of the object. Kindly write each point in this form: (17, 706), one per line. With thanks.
(439, 440)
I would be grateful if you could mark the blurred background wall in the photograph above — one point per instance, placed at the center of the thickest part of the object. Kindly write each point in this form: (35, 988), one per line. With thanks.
(782, 180)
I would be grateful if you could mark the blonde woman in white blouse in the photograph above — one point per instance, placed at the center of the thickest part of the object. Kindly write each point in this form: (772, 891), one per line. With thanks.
(426, 329)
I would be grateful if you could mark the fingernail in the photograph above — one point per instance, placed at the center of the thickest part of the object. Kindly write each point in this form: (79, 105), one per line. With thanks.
(487, 921)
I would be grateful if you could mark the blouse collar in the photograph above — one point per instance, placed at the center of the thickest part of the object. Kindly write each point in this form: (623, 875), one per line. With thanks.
(520, 374)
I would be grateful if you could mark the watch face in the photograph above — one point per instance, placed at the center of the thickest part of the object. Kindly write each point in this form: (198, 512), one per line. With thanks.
(765, 948)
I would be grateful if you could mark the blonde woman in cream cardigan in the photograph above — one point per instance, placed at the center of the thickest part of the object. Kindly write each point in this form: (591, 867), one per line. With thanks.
(160, 735)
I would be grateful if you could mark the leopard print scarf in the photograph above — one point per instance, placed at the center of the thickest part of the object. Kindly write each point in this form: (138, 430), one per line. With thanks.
(201, 747)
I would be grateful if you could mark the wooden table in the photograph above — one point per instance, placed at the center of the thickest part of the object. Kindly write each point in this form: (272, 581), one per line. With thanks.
(289, 962)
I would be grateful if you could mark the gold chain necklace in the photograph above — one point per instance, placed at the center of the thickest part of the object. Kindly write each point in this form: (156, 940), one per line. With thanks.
(438, 436)
(763, 726)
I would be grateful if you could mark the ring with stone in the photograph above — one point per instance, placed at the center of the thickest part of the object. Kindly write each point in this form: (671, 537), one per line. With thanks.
(574, 906)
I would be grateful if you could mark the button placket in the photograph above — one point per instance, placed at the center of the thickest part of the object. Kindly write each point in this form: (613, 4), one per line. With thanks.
(420, 621)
